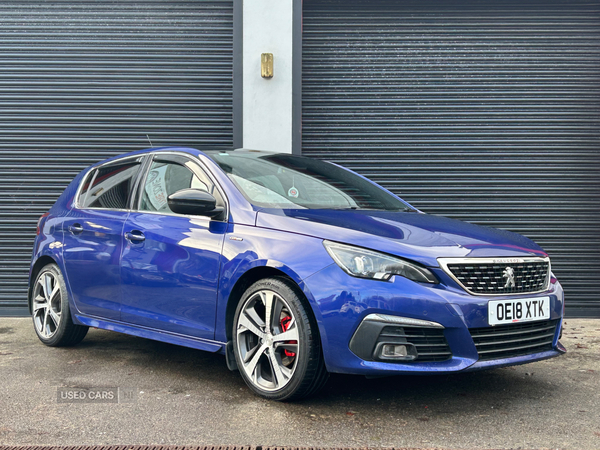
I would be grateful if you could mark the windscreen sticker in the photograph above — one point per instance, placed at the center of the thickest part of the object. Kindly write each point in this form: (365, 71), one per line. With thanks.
(293, 192)
(156, 188)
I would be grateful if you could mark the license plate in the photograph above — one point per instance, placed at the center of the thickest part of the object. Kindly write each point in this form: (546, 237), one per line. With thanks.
(519, 310)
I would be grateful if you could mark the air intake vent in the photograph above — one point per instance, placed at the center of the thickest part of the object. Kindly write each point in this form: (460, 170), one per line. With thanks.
(430, 343)
(506, 341)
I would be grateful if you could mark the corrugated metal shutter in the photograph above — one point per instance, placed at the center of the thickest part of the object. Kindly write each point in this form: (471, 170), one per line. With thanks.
(84, 80)
(482, 111)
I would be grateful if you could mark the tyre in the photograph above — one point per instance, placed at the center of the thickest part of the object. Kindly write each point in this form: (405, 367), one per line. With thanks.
(50, 310)
(276, 342)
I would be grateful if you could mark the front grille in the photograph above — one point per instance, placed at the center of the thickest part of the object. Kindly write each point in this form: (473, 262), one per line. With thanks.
(494, 278)
(430, 343)
(506, 341)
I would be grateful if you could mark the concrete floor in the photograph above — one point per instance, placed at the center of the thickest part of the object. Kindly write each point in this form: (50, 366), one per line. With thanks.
(189, 397)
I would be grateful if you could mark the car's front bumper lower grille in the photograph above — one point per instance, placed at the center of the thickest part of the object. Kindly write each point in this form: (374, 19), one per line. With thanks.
(430, 343)
(507, 341)
(411, 340)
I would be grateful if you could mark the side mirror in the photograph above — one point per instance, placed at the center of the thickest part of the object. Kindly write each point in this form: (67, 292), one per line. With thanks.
(194, 202)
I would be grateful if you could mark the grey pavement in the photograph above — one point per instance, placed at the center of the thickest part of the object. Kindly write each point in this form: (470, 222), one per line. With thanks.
(188, 397)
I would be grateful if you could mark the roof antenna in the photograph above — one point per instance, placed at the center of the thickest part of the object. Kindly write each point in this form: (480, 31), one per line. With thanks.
(151, 146)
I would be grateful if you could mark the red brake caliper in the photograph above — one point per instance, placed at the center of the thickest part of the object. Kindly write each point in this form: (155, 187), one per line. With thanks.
(285, 324)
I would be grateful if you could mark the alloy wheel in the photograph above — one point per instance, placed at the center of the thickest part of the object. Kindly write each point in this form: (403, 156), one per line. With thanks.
(47, 305)
(268, 340)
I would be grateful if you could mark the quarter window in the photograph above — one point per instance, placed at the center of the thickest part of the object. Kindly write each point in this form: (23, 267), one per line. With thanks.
(109, 187)
(85, 187)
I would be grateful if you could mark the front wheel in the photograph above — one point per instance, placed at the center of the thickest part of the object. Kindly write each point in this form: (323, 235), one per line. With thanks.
(50, 310)
(276, 342)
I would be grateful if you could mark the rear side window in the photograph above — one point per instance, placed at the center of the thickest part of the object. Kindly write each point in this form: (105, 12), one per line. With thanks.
(109, 187)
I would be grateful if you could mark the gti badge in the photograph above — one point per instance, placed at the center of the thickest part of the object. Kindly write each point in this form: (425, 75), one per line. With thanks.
(509, 275)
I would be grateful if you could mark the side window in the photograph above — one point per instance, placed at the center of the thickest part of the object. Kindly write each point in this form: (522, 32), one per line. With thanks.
(109, 187)
(165, 179)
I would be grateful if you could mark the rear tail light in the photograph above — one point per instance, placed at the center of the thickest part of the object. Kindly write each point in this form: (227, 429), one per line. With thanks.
(40, 220)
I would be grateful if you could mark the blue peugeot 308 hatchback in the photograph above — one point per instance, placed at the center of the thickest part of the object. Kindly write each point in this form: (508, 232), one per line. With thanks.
(291, 267)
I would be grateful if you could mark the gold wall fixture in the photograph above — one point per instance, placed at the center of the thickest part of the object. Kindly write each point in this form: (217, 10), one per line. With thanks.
(266, 65)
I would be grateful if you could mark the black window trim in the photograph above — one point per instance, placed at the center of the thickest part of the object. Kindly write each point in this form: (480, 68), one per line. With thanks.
(141, 176)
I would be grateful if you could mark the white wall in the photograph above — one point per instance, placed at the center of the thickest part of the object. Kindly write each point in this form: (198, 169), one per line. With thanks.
(267, 103)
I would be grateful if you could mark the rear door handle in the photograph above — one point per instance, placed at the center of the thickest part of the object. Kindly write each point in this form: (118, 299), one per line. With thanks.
(75, 228)
(135, 236)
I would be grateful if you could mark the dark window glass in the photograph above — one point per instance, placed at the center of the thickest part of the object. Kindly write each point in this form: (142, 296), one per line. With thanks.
(165, 179)
(109, 187)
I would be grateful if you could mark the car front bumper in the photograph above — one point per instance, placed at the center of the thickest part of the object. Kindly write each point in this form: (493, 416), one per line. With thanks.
(342, 303)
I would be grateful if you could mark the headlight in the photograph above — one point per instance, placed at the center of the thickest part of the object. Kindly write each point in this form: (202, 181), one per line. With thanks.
(362, 263)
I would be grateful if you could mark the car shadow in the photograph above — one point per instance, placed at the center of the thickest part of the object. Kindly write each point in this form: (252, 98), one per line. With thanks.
(182, 369)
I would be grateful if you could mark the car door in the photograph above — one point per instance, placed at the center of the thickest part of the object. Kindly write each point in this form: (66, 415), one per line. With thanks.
(93, 238)
(170, 264)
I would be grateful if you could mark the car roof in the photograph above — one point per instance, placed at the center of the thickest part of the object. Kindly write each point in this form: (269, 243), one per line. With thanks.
(189, 150)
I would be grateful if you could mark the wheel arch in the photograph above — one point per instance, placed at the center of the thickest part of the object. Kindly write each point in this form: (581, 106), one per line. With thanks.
(253, 275)
(248, 278)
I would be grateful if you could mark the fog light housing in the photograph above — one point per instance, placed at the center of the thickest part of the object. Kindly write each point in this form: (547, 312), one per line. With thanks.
(395, 351)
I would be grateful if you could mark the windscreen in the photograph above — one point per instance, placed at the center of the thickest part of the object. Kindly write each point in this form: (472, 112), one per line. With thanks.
(287, 181)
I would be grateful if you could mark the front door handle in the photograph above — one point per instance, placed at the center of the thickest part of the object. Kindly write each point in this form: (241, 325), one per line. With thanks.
(135, 236)
(75, 228)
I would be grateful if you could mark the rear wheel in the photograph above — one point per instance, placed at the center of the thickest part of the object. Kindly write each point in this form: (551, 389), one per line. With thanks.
(50, 310)
(276, 342)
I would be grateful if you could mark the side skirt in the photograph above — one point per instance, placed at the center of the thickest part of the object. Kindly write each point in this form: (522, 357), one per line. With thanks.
(151, 333)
